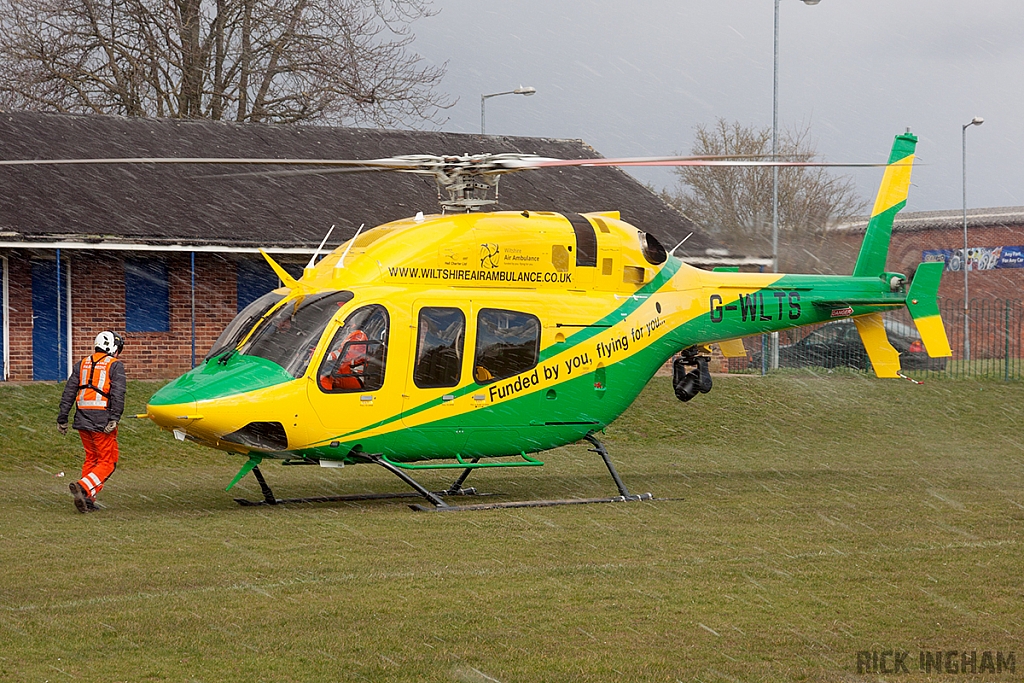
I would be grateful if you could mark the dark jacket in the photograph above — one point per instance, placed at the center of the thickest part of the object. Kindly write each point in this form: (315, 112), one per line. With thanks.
(94, 420)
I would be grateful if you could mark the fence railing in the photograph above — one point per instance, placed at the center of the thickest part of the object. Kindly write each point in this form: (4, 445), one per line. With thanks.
(995, 327)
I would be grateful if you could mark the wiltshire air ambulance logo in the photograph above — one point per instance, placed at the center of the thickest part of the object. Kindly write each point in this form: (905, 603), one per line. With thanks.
(488, 255)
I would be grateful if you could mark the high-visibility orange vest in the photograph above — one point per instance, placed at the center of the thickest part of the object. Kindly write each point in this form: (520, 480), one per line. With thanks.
(94, 382)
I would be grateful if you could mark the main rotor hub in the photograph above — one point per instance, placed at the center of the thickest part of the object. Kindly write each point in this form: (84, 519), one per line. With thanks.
(468, 179)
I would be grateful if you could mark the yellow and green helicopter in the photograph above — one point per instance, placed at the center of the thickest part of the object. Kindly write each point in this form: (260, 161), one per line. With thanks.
(461, 340)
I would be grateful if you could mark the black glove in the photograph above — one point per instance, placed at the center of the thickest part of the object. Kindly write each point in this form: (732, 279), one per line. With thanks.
(62, 427)
(111, 426)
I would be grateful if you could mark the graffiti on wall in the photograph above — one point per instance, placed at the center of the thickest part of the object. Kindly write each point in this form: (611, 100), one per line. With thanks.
(978, 258)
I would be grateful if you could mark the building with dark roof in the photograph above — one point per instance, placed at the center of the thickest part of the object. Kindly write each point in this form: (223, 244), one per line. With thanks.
(169, 253)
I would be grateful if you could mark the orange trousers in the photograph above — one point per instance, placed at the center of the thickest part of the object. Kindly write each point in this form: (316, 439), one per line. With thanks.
(100, 460)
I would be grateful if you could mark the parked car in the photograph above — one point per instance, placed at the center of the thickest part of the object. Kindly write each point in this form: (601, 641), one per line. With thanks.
(838, 344)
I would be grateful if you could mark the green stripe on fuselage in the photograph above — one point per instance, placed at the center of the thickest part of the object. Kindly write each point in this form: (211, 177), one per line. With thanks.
(211, 380)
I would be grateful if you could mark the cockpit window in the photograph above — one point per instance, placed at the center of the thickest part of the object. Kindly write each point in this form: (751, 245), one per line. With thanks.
(243, 322)
(358, 353)
(290, 335)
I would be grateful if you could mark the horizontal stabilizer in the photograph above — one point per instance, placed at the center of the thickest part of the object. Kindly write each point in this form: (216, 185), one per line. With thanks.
(733, 348)
(923, 304)
(884, 358)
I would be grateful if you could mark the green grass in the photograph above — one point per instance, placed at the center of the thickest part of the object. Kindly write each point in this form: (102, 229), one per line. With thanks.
(799, 519)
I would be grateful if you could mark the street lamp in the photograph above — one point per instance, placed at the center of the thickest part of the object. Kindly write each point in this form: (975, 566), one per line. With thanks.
(775, 171)
(976, 121)
(528, 90)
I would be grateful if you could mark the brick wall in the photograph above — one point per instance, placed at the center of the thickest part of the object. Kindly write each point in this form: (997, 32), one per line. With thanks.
(157, 355)
(20, 315)
(97, 298)
(98, 303)
(989, 289)
(905, 255)
(1003, 283)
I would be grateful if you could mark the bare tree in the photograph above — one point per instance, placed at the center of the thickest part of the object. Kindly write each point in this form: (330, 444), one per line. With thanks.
(735, 204)
(336, 61)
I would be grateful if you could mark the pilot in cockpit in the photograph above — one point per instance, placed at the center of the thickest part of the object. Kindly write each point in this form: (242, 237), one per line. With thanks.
(355, 359)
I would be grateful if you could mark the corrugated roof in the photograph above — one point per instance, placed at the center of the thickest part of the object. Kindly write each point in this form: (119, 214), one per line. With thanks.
(992, 217)
(195, 206)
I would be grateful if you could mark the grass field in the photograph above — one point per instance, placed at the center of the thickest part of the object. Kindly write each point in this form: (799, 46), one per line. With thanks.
(799, 520)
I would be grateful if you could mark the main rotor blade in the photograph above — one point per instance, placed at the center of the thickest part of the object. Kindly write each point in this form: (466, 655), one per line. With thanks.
(476, 164)
(695, 161)
(309, 171)
(395, 164)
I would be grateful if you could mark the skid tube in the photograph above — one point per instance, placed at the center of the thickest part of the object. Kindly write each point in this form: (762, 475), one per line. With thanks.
(623, 497)
(435, 498)
(269, 498)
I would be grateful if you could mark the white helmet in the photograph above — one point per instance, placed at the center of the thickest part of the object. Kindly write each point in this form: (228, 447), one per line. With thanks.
(109, 342)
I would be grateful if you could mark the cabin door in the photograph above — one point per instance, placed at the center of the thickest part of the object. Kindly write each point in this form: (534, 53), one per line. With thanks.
(348, 391)
(433, 407)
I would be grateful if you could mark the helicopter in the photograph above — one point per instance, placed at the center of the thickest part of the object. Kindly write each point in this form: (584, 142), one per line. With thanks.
(471, 339)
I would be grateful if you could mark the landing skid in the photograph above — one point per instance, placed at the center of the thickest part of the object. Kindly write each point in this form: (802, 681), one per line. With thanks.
(435, 498)
(270, 499)
(440, 506)
(529, 503)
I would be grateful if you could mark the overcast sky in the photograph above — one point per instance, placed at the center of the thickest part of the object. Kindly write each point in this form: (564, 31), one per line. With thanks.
(635, 78)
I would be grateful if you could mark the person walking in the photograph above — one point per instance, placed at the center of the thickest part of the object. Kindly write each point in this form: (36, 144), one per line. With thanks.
(96, 388)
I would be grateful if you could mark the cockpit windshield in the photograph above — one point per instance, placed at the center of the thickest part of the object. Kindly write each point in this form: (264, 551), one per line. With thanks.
(243, 322)
(289, 336)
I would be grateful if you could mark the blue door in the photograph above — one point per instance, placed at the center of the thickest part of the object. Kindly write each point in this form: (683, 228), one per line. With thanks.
(49, 360)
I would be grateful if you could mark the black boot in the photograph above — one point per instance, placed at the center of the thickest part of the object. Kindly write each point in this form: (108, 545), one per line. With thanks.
(81, 499)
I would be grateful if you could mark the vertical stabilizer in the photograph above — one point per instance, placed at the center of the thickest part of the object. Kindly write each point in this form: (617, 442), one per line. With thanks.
(892, 196)
(923, 304)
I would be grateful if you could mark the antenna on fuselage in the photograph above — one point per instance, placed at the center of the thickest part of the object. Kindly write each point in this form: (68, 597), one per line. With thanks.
(312, 259)
(341, 261)
(672, 251)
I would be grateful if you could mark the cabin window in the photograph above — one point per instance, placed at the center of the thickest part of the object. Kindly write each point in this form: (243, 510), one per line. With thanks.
(146, 296)
(439, 345)
(357, 355)
(243, 322)
(507, 344)
(290, 334)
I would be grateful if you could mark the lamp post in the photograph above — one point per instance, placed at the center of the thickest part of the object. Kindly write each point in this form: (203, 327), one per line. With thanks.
(528, 90)
(976, 121)
(775, 173)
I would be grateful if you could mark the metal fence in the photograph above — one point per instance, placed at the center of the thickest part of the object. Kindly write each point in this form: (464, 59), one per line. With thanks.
(995, 327)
